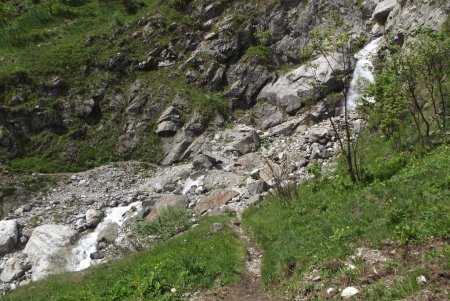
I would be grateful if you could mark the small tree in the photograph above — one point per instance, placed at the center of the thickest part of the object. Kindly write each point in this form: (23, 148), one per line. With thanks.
(338, 51)
(413, 86)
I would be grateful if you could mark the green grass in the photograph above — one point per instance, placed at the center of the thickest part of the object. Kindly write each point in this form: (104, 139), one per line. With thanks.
(169, 222)
(332, 217)
(192, 261)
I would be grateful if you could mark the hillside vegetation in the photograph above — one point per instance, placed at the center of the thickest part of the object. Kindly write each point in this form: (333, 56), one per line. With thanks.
(199, 259)
(383, 233)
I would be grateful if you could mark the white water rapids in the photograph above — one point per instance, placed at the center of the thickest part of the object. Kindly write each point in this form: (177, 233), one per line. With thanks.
(363, 74)
(88, 243)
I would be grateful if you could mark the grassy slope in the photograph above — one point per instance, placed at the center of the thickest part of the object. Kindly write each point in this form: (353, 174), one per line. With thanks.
(194, 260)
(330, 219)
(54, 38)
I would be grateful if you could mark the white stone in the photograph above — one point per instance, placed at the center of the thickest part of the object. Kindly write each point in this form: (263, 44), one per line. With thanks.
(9, 235)
(421, 279)
(93, 217)
(349, 292)
(48, 249)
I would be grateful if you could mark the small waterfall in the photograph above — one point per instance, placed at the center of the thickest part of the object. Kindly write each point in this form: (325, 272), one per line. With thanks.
(88, 243)
(363, 74)
(190, 182)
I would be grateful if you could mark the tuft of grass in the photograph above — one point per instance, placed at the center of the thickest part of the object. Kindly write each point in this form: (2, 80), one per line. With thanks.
(192, 261)
(169, 222)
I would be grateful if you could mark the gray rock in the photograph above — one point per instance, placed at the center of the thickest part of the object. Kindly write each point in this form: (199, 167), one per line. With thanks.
(15, 268)
(382, 10)
(256, 198)
(166, 128)
(266, 115)
(219, 178)
(108, 233)
(293, 90)
(171, 113)
(84, 107)
(257, 187)
(215, 200)
(93, 217)
(248, 144)
(285, 128)
(201, 162)
(9, 235)
(48, 249)
(169, 200)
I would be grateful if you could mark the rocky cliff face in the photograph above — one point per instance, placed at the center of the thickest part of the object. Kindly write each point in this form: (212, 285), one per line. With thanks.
(160, 104)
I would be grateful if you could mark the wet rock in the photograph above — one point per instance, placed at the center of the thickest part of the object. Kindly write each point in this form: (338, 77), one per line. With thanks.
(382, 10)
(48, 249)
(9, 235)
(93, 217)
(98, 255)
(108, 233)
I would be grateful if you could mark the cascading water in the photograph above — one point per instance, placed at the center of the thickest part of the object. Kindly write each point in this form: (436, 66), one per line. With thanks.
(363, 74)
(88, 243)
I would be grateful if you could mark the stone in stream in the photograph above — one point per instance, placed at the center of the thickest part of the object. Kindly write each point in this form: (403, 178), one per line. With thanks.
(93, 217)
(48, 249)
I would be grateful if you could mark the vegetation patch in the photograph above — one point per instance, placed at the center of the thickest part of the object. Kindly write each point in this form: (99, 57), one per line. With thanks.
(195, 260)
(332, 217)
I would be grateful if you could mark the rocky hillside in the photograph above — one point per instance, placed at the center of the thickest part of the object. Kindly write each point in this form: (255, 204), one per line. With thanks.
(111, 111)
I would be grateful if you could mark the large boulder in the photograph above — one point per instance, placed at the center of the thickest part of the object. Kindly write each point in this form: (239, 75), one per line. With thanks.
(49, 249)
(108, 233)
(293, 90)
(9, 235)
(382, 10)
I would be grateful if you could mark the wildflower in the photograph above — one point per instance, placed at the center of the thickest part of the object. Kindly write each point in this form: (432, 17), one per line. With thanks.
(173, 290)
